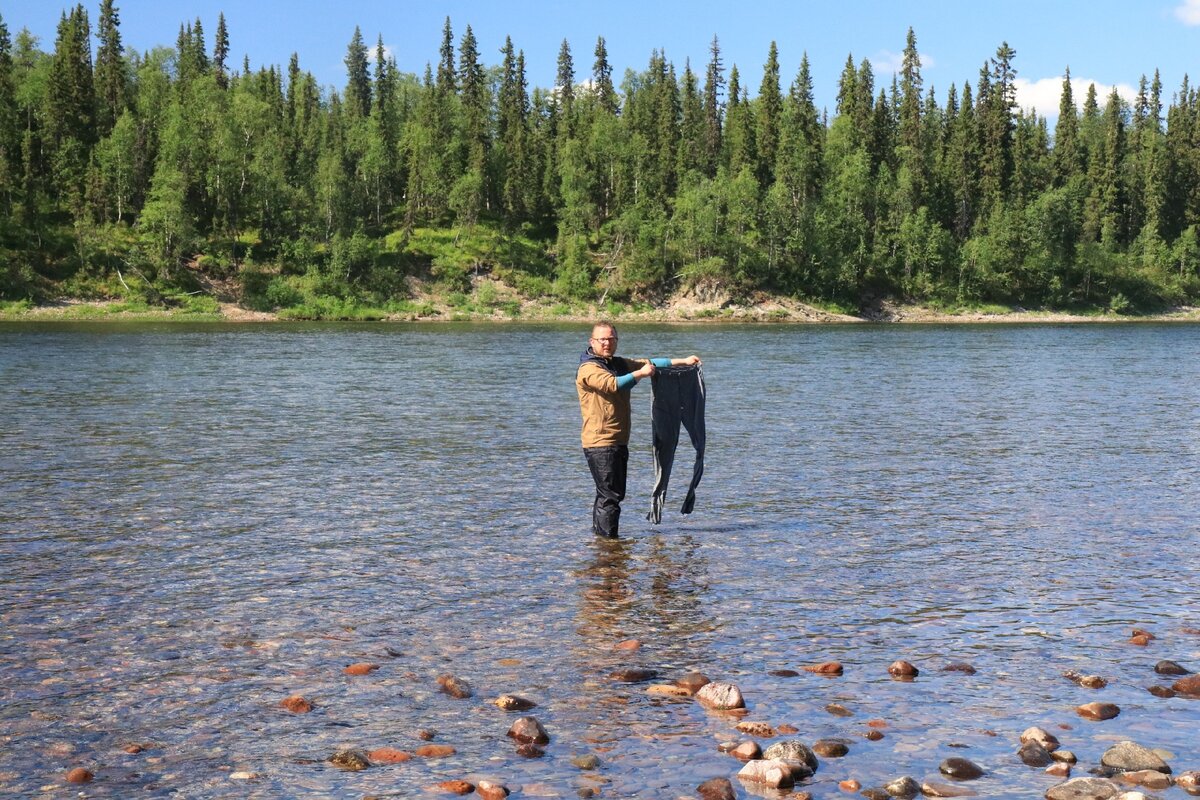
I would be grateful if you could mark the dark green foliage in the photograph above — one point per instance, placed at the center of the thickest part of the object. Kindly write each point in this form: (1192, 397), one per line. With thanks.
(170, 164)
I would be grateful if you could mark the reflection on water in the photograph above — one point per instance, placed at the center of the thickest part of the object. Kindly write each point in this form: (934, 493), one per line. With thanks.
(198, 522)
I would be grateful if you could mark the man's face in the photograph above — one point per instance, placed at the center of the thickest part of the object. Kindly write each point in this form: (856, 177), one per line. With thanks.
(604, 341)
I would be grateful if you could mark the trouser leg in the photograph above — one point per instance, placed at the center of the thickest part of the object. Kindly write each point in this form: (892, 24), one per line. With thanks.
(693, 421)
(609, 466)
(665, 423)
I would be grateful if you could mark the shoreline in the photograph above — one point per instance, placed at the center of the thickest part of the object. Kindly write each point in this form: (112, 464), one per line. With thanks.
(678, 311)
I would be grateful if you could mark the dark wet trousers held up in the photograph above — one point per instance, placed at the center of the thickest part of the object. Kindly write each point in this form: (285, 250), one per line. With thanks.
(678, 398)
(609, 466)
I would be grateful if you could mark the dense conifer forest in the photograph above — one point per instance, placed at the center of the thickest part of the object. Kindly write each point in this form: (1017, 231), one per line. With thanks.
(173, 175)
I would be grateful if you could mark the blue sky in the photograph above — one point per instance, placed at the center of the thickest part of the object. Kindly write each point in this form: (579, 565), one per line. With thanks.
(1109, 42)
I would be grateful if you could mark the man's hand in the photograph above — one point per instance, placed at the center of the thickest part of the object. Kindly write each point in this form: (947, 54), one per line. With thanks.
(646, 371)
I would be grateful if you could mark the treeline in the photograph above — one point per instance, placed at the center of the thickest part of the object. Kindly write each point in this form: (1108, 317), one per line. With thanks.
(170, 163)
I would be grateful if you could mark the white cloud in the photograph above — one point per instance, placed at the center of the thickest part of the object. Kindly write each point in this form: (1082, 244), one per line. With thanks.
(1045, 94)
(885, 62)
(1188, 12)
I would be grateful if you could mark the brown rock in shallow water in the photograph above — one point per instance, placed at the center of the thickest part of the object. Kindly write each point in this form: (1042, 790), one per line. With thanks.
(1041, 736)
(511, 702)
(876, 723)
(1189, 781)
(426, 734)
(388, 755)
(1140, 641)
(456, 687)
(786, 728)
(720, 696)
(873, 735)
(903, 669)
(776, 774)
(456, 787)
(79, 775)
(1064, 756)
(1142, 632)
(746, 751)
(959, 666)
(434, 751)
(716, 789)
(1059, 770)
(934, 789)
(960, 769)
(693, 682)
(362, 668)
(825, 668)
(849, 785)
(1132, 757)
(133, 748)
(839, 710)
(628, 644)
(528, 729)
(783, 673)
(1170, 668)
(1161, 691)
(830, 748)
(903, 788)
(1149, 778)
(296, 704)
(530, 750)
(352, 760)
(633, 674)
(762, 730)
(668, 690)
(1086, 681)
(1034, 755)
(1084, 789)
(1098, 711)
(1188, 685)
(489, 790)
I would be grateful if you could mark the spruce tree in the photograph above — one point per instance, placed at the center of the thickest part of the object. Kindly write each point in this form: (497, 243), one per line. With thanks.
(714, 82)
(769, 110)
(110, 69)
(602, 85)
(357, 101)
(221, 52)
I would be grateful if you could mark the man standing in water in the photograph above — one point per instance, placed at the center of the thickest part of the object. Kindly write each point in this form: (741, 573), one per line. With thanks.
(603, 382)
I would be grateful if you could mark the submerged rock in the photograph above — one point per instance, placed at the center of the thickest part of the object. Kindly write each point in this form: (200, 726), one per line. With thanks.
(960, 769)
(456, 687)
(775, 774)
(762, 730)
(586, 762)
(1162, 691)
(825, 668)
(959, 666)
(352, 760)
(1059, 770)
(934, 789)
(435, 751)
(1084, 789)
(1188, 685)
(1170, 668)
(830, 748)
(361, 668)
(1132, 757)
(903, 669)
(1065, 756)
(530, 750)
(490, 790)
(80, 775)
(720, 696)
(512, 702)
(839, 710)
(783, 673)
(1034, 755)
(746, 751)
(668, 690)
(904, 787)
(634, 674)
(296, 704)
(1151, 779)
(716, 789)
(528, 729)
(388, 755)
(1189, 781)
(456, 787)
(693, 682)
(1086, 681)
(849, 785)
(1098, 711)
(1040, 736)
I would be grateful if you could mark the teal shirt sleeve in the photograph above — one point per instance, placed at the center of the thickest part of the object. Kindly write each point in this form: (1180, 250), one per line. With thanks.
(661, 362)
(625, 381)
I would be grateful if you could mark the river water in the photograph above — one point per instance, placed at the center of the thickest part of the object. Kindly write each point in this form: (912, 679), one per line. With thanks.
(196, 522)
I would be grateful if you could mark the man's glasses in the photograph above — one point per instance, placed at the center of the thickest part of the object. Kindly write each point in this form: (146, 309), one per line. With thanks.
(604, 339)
